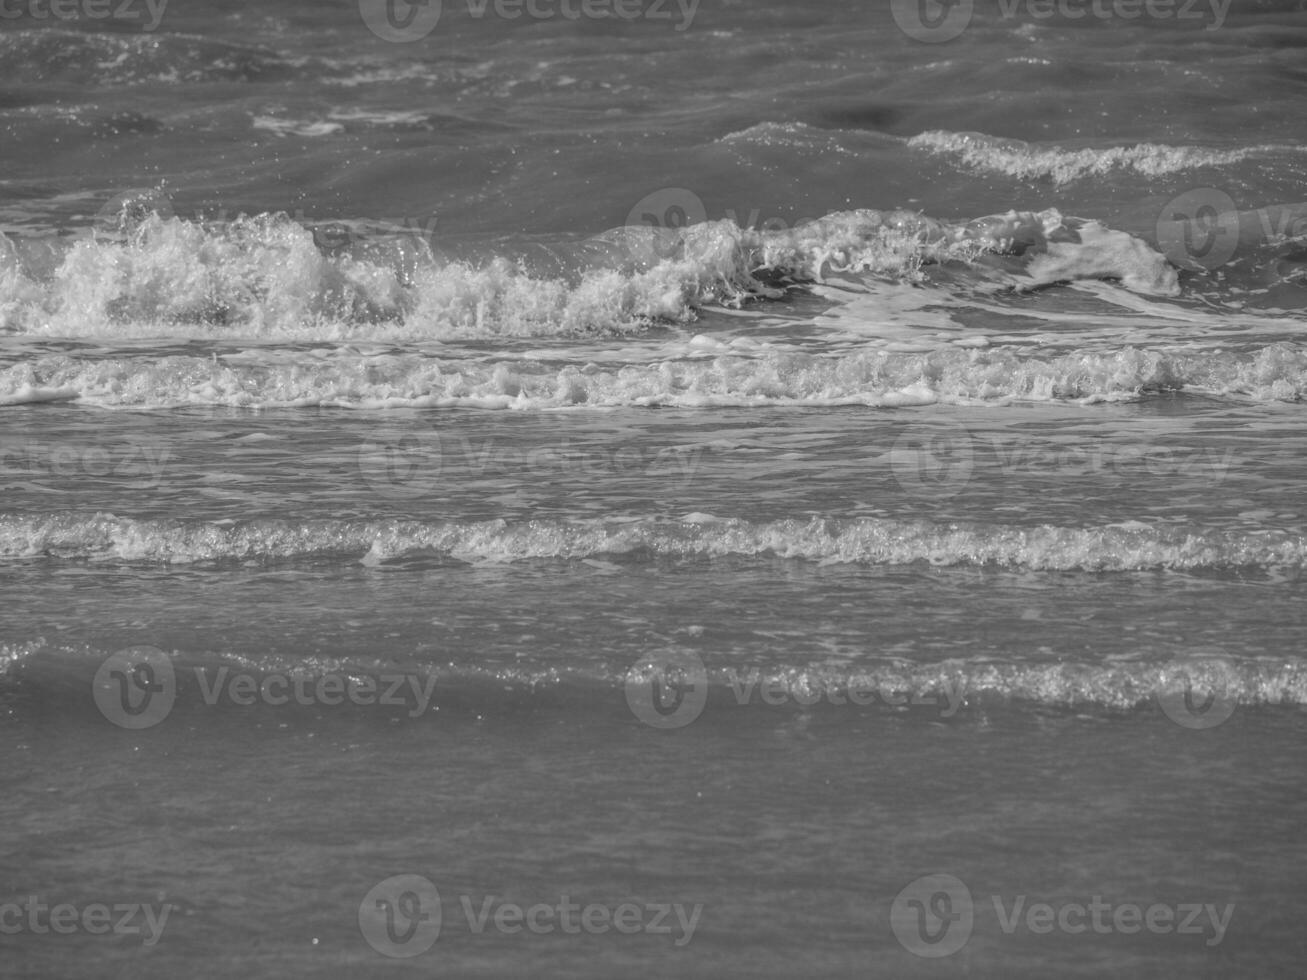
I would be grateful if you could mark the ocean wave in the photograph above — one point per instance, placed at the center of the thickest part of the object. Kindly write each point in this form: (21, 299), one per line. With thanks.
(149, 274)
(1198, 691)
(1028, 161)
(709, 374)
(1116, 547)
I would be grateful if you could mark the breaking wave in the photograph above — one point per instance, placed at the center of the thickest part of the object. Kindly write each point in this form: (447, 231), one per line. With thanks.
(148, 274)
(1118, 547)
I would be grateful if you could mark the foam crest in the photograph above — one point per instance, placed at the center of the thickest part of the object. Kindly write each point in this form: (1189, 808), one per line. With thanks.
(955, 685)
(266, 276)
(1129, 547)
(1026, 161)
(721, 376)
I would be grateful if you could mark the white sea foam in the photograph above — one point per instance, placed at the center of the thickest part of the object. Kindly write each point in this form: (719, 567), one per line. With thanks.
(1028, 161)
(737, 375)
(264, 276)
(1117, 547)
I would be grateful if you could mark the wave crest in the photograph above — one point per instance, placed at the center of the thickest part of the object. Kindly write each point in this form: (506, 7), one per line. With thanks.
(1027, 161)
(1117, 547)
(267, 276)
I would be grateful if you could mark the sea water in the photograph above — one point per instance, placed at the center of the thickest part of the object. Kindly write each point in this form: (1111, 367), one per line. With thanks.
(671, 490)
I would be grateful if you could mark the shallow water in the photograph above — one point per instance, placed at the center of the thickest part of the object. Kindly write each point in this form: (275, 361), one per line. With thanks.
(753, 470)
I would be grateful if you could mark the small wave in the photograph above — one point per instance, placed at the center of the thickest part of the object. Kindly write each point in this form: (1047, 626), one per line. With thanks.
(1117, 547)
(1027, 161)
(945, 688)
(1183, 688)
(739, 375)
(788, 134)
(297, 127)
